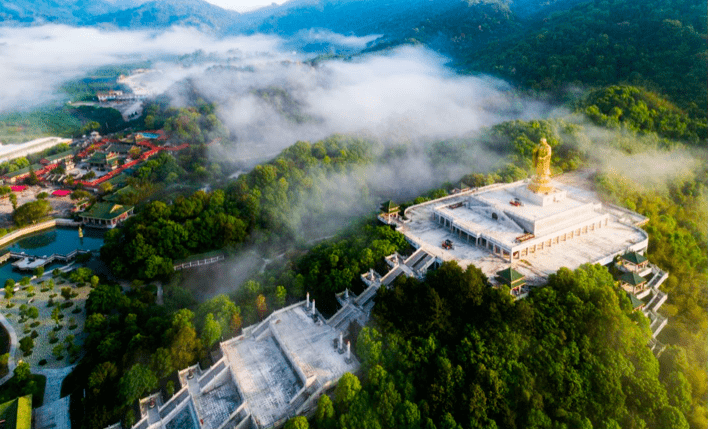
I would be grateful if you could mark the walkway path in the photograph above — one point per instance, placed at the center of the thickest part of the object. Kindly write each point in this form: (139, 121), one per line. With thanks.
(12, 362)
(54, 414)
(55, 377)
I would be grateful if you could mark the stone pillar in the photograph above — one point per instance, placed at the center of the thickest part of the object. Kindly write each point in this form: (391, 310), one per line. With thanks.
(307, 300)
(313, 306)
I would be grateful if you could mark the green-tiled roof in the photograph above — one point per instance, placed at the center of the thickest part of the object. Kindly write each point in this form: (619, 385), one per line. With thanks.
(510, 275)
(106, 211)
(636, 302)
(60, 155)
(120, 147)
(633, 278)
(118, 180)
(389, 207)
(21, 171)
(102, 157)
(17, 413)
(634, 257)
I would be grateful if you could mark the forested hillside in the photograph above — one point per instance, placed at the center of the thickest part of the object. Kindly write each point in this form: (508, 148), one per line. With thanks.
(276, 199)
(571, 355)
(655, 44)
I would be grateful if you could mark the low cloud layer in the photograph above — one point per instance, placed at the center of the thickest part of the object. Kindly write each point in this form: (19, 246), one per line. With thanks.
(642, 158)
(407, 94)
(36, 60)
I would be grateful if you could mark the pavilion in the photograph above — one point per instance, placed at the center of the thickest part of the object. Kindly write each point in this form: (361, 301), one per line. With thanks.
(106, 215)
(634, 262)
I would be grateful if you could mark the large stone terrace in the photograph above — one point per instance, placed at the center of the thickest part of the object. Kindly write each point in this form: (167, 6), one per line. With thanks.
(619, 235)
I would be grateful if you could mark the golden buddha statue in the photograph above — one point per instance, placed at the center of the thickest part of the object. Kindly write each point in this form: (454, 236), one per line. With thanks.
(541, 183)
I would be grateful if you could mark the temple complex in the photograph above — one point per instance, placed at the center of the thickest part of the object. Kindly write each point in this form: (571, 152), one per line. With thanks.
(274, 370)
(534, 226)
(516, 233)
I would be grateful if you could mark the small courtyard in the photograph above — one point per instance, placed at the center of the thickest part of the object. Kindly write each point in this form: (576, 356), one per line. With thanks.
(56, 326)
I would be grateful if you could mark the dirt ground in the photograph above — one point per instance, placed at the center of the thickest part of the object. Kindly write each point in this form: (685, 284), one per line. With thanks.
(61, 207)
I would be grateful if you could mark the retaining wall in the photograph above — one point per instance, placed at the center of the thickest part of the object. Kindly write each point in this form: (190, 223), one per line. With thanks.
(14, 235)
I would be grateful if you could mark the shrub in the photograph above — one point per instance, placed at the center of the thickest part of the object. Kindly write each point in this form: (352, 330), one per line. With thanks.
(72, 327)
(34, 324)
(26, 345)
(58, 328)
(10, 304)
(67, 304)
(34, 334)
(170, 387)
(30, 295)
(54, 295)
(77, 310)
(42, 362)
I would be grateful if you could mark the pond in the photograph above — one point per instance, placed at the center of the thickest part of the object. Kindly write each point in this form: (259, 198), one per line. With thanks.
(47, 242)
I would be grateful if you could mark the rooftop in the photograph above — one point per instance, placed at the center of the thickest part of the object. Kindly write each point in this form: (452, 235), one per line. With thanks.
(17, 413)
(501, 197)
(632, 278)
(389, 207)
(617, 237)
(21, 171)
(634, 257)
(101, 157)
(636, 302)
(279, 358)
(106, 211)
(510, 275)
(60, 155)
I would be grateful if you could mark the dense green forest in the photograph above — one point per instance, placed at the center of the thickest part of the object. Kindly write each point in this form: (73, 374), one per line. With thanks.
(263, 201)
(654, 44)
(678, 242)
(571, 355)
(524, 364)
(102, 79)
(644, 112)
(59, 120)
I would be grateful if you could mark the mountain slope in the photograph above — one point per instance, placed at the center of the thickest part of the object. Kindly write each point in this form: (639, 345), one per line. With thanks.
(129, 14)
(70, 12)
(656, 44)
(166, 13)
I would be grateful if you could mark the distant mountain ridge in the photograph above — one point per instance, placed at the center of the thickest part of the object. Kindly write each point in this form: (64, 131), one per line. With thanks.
(393, 18)
(124, 14)
(166, 13)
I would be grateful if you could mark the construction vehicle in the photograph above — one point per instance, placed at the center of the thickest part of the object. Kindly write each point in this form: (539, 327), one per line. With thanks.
(447, 244)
